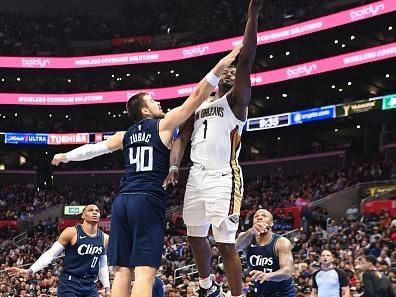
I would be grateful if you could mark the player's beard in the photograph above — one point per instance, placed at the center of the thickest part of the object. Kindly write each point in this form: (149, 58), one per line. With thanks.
(225, 86)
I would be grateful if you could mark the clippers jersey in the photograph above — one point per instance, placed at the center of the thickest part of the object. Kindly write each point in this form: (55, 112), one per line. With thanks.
(146, 159)
(264, 258)
(216, 139)
(81, 259)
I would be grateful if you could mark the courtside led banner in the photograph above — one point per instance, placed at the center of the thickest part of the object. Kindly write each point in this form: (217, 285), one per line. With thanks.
(26, 138)
(203, 49)
(252, 124)
(268, 122)
(389, 102)
(311, 115)
(345, 110)
(258, 79)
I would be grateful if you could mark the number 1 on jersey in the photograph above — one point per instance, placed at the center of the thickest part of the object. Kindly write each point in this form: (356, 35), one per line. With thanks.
(206, 127)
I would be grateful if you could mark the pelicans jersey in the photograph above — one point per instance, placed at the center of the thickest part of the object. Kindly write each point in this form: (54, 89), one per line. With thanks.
(216, 138)
(215, 186)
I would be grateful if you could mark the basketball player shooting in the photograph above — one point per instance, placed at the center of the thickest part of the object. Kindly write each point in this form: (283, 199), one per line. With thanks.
(215, 186)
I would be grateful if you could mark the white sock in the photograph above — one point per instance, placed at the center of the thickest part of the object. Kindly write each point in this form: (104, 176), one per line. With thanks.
(205, 283)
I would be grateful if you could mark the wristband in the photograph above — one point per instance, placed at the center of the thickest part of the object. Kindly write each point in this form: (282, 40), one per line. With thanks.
(173, 168)
(212, 79)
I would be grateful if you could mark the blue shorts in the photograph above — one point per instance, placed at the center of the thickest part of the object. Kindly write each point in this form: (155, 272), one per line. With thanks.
(137, 230)
(70, 286)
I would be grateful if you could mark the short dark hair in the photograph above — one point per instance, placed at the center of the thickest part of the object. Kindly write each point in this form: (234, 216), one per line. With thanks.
(134, 107)
(371, 259)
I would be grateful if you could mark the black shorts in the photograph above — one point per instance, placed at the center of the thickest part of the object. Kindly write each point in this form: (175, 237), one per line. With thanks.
(137, 230)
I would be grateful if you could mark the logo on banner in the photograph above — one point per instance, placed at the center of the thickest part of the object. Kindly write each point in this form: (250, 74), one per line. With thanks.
(29, 138)
(301, 70)
(310, 115)
(72, 138)
(35, 62)
(195, 51)
(389, 102)
(358, 107)
(367, 11)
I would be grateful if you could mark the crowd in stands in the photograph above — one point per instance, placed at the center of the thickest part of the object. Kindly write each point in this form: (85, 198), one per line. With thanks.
(348, 239)
(279, 189)
(52, 33)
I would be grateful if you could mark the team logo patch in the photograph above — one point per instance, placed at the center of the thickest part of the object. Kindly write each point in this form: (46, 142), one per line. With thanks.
(234, 219)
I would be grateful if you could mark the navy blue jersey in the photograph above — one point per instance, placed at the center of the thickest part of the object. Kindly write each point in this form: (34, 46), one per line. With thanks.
(264, 258)
(146, 159)
(81, 259)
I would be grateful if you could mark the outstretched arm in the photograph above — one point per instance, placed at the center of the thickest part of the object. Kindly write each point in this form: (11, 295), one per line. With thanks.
(205, 87)
(64, 239)
(239, 96)
(90, 151)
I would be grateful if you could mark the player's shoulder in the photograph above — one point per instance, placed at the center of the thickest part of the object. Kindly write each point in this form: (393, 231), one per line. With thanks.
(69, 233)
(283, 242)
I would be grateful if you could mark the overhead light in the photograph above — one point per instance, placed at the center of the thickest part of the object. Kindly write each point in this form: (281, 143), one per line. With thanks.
(340, 90)
(46, 153)
(284, 95)
(267, 97)
(172, 71)
(149, 50)
(387, 75)
(69, 80)
(335, 130)
(2, 167)
(271, 56)
(3, 79)
(278, 138)
(390, 28)
(109, 113)
(67, 116)
(343, 45)
(112, 75)
(124, 112)
(119, 115)
(18, 79)
(159, 72)
(333, 86)
(4, 116)
(128, 74)
(16, 114)
(349, 83)
(114, 115)
(358, 126)
(336, 41)
(352, 37)
(177, 74)
(50, 115)
(287, 53)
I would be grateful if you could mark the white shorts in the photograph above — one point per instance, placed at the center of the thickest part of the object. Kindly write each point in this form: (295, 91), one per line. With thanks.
(213, 197)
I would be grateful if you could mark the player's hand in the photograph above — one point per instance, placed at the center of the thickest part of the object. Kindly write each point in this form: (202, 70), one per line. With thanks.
(171, 179)
(227, 60)
(255, 5)
(59, 158)
(19, 272)
(259, 276)
(258, 228)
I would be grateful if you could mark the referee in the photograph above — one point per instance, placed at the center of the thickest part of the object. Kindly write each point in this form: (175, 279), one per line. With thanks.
(329, 281)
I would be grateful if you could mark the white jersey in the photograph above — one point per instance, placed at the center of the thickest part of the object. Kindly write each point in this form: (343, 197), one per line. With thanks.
(216, 139)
